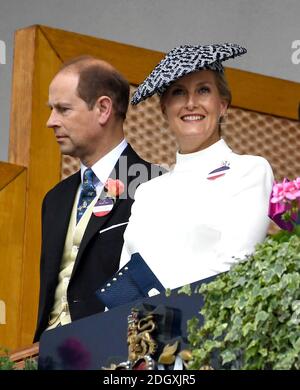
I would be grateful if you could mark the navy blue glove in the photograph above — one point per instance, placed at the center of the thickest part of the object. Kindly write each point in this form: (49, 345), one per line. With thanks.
(130, 283)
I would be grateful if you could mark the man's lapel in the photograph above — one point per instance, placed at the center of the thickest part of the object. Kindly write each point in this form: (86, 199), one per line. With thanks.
(95, 224)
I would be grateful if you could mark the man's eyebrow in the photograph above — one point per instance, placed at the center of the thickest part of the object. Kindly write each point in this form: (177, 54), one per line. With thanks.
(58, 105)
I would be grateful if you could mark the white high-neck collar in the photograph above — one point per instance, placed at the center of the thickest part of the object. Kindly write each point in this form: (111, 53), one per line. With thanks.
(210, 153)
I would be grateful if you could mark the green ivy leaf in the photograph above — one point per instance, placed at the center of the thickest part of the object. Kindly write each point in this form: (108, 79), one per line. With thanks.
(228, 356)
(185, 290)
(279, 269)
(168, 292)
(252, 312)
(261, 316)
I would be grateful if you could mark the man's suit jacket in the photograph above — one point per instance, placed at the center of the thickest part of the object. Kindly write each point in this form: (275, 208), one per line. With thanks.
(99, 253)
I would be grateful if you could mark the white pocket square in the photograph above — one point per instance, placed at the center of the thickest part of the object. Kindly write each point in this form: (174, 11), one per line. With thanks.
(113, 227)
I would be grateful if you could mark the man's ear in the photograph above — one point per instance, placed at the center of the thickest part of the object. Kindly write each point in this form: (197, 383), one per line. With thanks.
(104, 106)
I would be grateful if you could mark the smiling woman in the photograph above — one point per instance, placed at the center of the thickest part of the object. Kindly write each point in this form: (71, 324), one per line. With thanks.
(211, 209)
(193, 107)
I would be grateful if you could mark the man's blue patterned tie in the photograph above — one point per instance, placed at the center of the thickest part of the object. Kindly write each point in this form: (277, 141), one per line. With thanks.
(88, 192)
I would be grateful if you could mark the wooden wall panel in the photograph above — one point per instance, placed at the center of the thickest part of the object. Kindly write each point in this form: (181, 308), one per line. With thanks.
(12, 216)
(8, 172)
(251, 91)
(34, 146)
(134, 62)
(267, 95)
(21, 107)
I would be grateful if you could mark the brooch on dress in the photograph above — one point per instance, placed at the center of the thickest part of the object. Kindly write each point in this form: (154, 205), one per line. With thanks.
(219, 172)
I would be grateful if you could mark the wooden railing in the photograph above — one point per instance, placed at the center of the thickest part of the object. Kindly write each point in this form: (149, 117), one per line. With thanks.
(20, 356)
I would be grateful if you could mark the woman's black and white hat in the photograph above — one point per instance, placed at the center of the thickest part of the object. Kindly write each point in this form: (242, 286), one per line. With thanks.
(184, 60)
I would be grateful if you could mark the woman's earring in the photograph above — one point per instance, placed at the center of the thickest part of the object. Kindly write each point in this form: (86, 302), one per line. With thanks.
(222, 119)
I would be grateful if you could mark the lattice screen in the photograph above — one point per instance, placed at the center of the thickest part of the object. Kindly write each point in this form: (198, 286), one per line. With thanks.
(247, 132)
(276, 139)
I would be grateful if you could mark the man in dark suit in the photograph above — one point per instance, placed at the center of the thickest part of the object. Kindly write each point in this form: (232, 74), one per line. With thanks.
(82, 233)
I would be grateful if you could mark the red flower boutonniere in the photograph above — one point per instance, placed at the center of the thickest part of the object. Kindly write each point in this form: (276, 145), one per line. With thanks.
(113, 189)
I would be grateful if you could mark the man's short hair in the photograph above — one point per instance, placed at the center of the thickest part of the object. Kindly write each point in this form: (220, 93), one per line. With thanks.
(98, 78)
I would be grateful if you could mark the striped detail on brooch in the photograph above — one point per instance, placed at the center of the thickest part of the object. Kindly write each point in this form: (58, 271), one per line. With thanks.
(218, 172)
(103, 207)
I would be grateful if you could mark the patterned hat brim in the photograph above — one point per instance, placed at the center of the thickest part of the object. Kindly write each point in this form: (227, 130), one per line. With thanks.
(182, 61)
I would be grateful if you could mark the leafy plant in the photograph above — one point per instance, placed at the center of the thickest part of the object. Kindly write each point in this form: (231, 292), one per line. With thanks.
(30, 364)
(7, 364)
(252, 312)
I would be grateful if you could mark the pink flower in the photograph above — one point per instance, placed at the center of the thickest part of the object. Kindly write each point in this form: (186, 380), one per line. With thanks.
(286, 191)
(114, 187)
(285, 203)
(297, 183)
